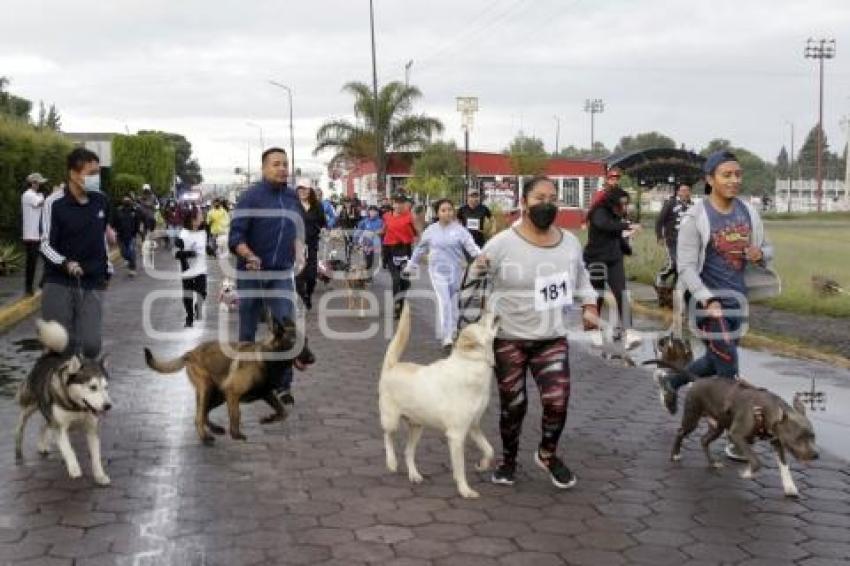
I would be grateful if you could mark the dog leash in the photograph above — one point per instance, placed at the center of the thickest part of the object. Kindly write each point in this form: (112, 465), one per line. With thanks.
(472, 296)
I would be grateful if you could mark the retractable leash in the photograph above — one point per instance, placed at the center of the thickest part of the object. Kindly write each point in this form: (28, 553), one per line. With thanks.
(472, 297)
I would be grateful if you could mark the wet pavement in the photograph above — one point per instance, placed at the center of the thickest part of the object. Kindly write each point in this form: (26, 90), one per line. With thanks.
(314, 489)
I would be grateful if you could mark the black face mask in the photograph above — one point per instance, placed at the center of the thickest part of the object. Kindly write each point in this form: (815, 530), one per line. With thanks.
(542, 215)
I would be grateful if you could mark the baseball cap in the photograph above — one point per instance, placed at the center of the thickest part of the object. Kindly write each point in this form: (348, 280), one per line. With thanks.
(305, 182)
(716, 159)
(36, 178)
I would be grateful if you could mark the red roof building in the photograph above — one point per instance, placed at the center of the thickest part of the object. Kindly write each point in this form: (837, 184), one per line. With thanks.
(576, 180)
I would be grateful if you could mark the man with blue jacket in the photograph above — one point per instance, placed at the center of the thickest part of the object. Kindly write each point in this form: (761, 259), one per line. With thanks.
(266, 235)
(328, 208)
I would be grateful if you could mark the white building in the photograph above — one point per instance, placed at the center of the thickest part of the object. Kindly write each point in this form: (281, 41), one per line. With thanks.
(803, 195)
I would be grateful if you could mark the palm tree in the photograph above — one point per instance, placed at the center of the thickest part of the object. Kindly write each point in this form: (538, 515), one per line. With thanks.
(373, 134)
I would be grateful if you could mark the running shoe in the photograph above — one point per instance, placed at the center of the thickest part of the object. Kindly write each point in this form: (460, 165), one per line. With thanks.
(505, 474)
(559, 473)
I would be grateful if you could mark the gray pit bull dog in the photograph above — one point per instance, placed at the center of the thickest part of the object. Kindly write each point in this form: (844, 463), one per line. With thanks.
(748, 413)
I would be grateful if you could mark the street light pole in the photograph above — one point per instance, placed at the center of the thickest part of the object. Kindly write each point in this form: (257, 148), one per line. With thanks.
(593, 107)
(291, 132)
(820, 49)
(467, 106)
(379, 144)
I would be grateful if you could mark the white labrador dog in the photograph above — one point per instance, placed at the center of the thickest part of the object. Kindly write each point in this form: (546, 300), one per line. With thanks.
(449, 395)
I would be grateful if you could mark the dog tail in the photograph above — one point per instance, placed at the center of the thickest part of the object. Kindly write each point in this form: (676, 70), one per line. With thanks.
(52, 335)
(668, 365)
(399, 341)
(164, 366)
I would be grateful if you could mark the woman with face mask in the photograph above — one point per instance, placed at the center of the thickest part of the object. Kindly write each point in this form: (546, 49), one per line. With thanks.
(446, 240)
(605, 251)
(537, 273)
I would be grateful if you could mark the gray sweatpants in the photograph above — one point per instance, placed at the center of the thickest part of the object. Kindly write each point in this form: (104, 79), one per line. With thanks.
(80, 311)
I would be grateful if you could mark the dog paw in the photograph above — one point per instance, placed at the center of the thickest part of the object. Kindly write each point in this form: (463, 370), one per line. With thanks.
(483, 465)
(273, 418)
(747, 474)
(716, 465)
(238, 436)
(208, 440)
(415, 477)
(676, 458)
(75, 472)
(102, 480)
(792, 492)
(468, 493)
(392, 465)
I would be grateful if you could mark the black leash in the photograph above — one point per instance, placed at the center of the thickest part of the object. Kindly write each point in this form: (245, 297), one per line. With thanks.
(472, 297)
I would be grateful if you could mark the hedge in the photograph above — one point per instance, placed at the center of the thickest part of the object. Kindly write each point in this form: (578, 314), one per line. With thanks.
(23, 149)
(150, 156)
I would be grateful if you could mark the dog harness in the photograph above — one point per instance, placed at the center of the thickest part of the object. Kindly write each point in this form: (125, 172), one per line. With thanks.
(760, 431)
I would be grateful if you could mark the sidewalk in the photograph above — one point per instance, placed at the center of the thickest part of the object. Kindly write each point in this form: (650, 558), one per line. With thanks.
(314, 489)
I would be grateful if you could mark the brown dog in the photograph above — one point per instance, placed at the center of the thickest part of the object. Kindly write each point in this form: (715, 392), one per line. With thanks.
(219, 378)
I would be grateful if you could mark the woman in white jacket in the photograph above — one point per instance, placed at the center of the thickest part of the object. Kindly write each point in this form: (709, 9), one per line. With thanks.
(446, 240)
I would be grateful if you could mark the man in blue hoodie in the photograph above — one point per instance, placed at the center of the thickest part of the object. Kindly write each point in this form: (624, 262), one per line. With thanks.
(266, 235)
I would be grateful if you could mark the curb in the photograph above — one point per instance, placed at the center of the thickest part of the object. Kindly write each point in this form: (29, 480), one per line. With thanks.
(757, 341)
(19, 309)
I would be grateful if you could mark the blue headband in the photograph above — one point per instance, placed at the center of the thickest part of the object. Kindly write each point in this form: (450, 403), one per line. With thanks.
(716, 159)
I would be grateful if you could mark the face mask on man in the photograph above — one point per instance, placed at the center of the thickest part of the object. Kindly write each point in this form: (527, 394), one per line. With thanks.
(92, 182)
(542, 215)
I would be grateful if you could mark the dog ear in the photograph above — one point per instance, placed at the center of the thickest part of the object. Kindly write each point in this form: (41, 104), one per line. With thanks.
(69, 368)
(799, 406)
(104, 362)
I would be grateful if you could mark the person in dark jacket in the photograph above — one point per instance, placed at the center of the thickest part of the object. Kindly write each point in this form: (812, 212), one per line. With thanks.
(269, 254)
(314, 221)
(667, 230)
(73, 242)
(473, 215)
(606, 248)
(126, 222)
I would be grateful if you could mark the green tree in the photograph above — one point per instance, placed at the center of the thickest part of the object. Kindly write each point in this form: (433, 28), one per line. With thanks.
(527, 155)
(783, 165)
(42, 116)
(187, 167)
(12, 105)
(438, 171)
(126, 183)
(54, 121)
(833, 164)
(150, 156)
(599, 151)
(645, 140)
(390, 127)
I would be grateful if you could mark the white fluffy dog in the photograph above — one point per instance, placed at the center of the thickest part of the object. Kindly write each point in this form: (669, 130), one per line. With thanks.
(449, 395)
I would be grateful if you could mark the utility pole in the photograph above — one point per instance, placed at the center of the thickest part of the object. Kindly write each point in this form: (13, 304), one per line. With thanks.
(593, 107)
(791, 167)
(291, 132)
(557, 135)
(262, 139)
(820, 49)
(379, 142)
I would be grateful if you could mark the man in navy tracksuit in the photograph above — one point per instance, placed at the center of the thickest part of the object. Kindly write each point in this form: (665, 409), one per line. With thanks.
(266, 235)
(73, 243)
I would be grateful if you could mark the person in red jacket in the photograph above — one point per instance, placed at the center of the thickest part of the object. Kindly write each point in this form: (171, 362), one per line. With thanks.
(399, 235)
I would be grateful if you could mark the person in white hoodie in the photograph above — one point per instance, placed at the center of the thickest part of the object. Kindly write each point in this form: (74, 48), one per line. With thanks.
(446, 240)
(191, 244)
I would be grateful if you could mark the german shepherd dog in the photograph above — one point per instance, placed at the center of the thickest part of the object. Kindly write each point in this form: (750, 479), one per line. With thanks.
(67, 391)
(218, 378)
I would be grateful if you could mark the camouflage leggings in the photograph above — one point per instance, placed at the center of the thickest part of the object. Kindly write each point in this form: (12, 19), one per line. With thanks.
(548, 361)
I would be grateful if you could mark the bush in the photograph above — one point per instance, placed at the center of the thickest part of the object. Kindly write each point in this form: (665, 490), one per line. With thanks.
(124, 184)
(23, 149)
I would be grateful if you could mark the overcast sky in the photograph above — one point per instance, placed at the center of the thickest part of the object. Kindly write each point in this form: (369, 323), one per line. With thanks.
(693, 70)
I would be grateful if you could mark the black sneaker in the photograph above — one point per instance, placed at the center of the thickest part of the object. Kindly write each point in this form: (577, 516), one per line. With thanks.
(504, 474)
(560, 474)
(188, 323)
(668, 394)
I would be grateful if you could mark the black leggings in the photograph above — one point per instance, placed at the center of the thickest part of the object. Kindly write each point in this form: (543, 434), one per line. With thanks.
(305, 282)
(398, 255)
(614, 274)
(192, 285)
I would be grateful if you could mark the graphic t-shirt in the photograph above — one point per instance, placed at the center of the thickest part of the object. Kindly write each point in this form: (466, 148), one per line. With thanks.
(724, 257)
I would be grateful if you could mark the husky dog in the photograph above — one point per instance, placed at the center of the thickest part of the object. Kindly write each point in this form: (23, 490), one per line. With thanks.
(228, 299)
(67, 391)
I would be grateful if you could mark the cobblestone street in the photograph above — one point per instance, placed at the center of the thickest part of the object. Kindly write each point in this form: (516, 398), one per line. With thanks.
(315, 490)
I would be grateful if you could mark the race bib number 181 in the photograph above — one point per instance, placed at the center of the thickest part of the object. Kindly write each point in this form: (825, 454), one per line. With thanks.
(552, 291)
